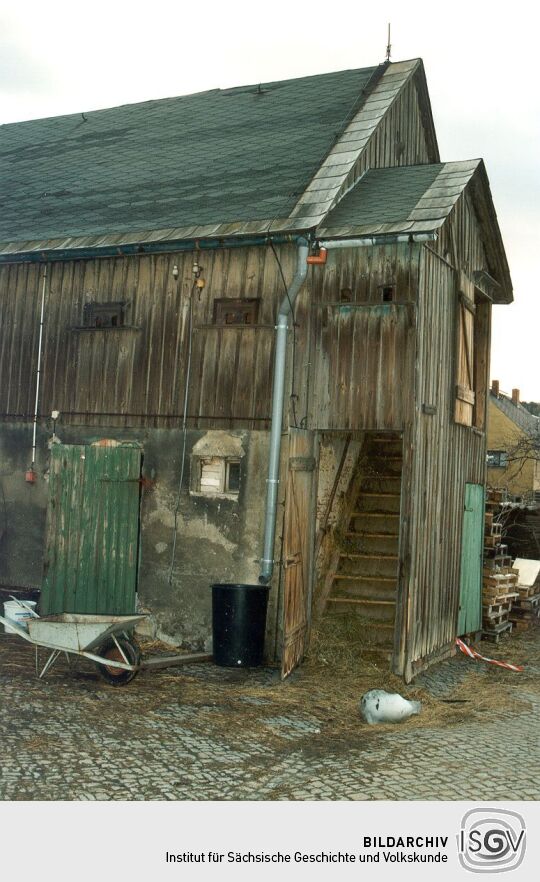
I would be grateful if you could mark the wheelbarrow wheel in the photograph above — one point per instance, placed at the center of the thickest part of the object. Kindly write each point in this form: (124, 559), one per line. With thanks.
(119, 676)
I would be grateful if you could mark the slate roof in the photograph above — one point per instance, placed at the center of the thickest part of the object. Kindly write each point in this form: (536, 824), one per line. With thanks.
(406, 199)
(517, 413)
(275, 158)
(227, 155)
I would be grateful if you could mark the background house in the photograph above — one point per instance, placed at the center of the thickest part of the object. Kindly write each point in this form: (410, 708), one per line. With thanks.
(513, 446)
(147, 254)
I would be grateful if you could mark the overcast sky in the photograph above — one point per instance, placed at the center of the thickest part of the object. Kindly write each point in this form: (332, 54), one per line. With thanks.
(480, 63)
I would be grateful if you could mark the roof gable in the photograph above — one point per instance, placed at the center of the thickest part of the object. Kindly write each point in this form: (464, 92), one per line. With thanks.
(412, 200)
(401, 199)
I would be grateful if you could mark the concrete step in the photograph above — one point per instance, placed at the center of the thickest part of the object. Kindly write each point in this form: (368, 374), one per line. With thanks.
(367, 564)
(374, 522)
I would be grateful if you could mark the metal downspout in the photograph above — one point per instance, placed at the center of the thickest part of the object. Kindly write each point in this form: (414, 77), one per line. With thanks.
(38, 371)
(278, 394)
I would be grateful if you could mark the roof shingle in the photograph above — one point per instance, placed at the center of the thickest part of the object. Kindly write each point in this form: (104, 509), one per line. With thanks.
(214, 157)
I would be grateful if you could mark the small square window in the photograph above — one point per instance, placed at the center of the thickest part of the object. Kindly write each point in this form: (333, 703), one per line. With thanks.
(238, 312)
(104, 315)
(497, 459)
(387, 293)
(215, 476)
(232, 482)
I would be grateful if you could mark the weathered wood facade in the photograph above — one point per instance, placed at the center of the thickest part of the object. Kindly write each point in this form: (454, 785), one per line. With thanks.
(378, 348)
(134, 375)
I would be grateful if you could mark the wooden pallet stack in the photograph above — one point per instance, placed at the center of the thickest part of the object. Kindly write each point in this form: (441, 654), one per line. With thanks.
(499, 582)
(526, 609)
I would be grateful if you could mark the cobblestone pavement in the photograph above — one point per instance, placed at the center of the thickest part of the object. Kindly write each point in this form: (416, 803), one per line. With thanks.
(208, 733)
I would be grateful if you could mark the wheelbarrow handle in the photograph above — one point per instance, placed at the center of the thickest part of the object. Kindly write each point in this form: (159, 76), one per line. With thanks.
(17, 629)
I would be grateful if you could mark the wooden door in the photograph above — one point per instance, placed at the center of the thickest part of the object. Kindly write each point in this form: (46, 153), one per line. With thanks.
(298, 548)
(92, 530)
(470, 597)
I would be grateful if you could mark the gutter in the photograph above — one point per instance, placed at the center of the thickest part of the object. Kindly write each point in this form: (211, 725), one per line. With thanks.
(383, 239)
(272, 481)
(37, 255)
(134, 248)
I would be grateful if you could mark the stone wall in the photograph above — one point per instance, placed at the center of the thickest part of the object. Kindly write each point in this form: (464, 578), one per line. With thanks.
(218, 539)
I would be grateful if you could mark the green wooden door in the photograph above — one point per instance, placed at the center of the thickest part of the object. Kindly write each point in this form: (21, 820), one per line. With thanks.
(470, 599)
(92, 530)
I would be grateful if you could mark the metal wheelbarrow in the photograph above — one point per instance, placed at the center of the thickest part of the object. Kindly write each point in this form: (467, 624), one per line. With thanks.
(105, 640)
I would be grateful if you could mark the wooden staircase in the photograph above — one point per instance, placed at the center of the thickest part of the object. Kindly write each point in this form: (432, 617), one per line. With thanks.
(365, 581)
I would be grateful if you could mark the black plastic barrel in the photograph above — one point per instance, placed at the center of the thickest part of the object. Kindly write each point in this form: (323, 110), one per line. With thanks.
(238, 624)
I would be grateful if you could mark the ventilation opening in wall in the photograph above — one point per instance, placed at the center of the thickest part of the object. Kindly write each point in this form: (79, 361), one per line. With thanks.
(215, 476)
(388, 293)
(111, 314)
(238, 312)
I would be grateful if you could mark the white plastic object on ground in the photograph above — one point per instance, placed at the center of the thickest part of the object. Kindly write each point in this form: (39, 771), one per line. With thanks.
(378, 706)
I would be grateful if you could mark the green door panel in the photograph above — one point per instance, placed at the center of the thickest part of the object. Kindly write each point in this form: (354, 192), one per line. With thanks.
(470, 597)
(92, 530)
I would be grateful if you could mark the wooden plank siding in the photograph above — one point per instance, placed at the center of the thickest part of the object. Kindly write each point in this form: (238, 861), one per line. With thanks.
(399, 139)
(135, 376)
(362, 351)
(442, 457)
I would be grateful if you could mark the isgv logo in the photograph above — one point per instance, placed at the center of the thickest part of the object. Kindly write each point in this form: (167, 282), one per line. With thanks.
(491, 840)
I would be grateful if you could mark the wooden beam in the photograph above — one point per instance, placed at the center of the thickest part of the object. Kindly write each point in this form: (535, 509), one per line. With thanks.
(169, 661)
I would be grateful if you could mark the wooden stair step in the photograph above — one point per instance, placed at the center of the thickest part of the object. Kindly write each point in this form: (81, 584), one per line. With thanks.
(379, 522)
(380, 493)
(375, 514)
(361, 591)
(377, 611)
(354, 578)
(372, 476)
(367, 534)
(383, 546)
(359, 600)
(381, 486)
(392, 448)
(367, 565)
(364, 587)
(373, 634)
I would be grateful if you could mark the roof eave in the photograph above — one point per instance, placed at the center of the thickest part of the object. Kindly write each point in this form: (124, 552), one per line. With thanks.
(153, 241)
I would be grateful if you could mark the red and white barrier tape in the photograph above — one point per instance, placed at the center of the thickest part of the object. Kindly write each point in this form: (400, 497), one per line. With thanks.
(472, 653)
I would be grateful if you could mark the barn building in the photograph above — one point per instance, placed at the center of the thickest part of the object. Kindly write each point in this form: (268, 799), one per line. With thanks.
(245, 337)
